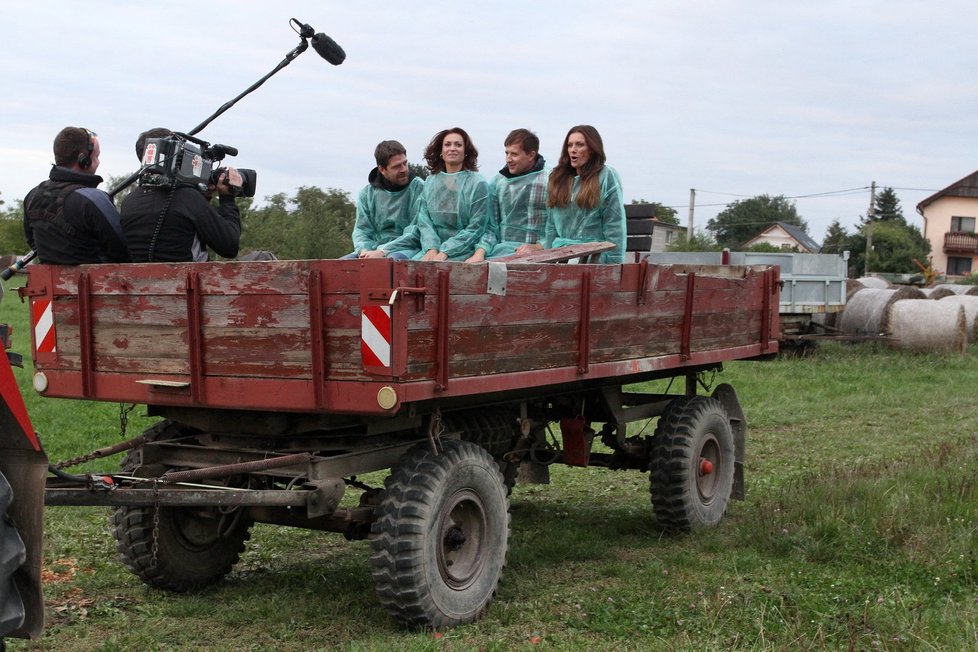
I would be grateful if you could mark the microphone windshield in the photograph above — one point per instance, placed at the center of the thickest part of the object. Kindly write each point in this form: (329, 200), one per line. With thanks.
(328, 49)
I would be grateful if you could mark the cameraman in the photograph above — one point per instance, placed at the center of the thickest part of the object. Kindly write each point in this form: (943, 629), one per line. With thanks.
(67, 220)
(167, 223)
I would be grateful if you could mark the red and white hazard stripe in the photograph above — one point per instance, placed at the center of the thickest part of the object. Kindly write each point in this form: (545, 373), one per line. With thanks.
(42, 316)
(375, 336)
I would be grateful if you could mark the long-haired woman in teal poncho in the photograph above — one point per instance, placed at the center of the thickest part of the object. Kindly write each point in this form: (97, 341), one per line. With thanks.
(584, 196)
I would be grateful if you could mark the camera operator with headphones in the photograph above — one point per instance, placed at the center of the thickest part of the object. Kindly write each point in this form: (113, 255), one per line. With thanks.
(67, 220)
(175, 222)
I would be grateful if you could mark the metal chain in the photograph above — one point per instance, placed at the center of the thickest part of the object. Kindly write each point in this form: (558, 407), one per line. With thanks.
(124, 418)
(155, 548)
(704, 382)
(435, 429)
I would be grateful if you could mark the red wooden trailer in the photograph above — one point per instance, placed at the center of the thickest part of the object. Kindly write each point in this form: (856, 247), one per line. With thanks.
(278, 382)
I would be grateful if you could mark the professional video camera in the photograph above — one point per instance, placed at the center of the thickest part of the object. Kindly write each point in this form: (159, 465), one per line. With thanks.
(182, 159)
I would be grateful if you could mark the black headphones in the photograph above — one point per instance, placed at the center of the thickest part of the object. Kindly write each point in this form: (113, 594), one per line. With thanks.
(85, 158)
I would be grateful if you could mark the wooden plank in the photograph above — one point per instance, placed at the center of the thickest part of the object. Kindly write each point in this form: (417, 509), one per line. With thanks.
(558, 255)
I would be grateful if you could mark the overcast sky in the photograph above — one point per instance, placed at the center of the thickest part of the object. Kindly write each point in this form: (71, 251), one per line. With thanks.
(732, 98)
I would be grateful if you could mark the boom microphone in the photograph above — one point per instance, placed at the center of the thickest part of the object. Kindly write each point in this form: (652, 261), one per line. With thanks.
(304, 31)
(328, 49)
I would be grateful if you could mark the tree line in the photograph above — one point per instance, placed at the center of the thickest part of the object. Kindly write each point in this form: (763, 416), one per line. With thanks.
(318, 223)
(312, 223)
(896, 244)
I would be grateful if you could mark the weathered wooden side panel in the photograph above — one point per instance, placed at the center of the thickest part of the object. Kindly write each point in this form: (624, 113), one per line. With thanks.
(289, 334)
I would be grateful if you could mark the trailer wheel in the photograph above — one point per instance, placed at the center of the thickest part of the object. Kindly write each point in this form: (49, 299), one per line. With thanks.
(692, 465)
(441, 535)
(12, 555)
(177, 548)
(493, 430)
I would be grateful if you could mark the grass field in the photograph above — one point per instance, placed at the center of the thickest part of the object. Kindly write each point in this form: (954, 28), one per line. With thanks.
(859, 532)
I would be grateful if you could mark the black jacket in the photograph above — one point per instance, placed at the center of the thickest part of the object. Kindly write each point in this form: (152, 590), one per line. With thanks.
(68, 221)
(190, 224)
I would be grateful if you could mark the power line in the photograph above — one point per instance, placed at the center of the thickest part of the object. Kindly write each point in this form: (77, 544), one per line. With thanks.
(828, 194)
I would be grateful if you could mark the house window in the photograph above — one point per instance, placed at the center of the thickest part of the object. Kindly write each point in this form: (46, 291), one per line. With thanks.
(962, 224)
(669, 235)
(957, 266)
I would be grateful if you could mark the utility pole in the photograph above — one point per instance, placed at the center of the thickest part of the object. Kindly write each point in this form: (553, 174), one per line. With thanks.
(689, 223)
(869, 222)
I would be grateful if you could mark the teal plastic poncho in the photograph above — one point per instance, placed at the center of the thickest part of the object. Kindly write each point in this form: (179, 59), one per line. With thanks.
(519, 214)
(384, 215)
(572, 224)
(453, 213)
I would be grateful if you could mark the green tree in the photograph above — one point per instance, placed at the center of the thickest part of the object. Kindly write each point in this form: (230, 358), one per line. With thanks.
(765, 248)
(895, 245)
(315, 223)
(745, 218)
(267, 228)
(419, 170)
(886, 208)
(12, 239)
(701, 241)
(837, 239)
(324, 222)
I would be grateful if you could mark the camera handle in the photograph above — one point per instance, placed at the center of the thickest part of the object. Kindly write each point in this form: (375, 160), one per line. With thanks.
(304, 34)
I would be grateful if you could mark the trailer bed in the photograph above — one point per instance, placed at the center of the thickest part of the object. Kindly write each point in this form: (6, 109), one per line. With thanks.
(371, 336)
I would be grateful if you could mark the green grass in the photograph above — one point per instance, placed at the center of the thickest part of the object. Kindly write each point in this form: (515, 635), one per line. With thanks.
(860, 532)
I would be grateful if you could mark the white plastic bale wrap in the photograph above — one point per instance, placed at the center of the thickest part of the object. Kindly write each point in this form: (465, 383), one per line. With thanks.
(937, 293)
(874, 282)
(970, 290)
(867, 310)
(927, 326)
(970, 305)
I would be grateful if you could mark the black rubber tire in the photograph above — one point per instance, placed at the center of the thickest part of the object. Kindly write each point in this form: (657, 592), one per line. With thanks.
(13, 554)
(195, 547)
(441, 536)
(686, 494)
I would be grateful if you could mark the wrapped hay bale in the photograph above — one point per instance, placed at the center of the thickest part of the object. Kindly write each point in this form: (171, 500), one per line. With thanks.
(874, 282)
(927, 326)
(853, 286)
(970, 305)
(953, 288)
(937, 293)
(867, 311)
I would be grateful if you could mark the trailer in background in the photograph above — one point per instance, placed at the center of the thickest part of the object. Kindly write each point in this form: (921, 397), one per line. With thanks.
(813, 287)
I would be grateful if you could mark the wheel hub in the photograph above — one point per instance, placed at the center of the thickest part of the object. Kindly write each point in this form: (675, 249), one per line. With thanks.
(455, 538)
(707, 479)
(461, 551)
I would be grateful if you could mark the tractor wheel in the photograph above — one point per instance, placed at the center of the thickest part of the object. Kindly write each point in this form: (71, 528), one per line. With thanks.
(177, 548)
(12, 555)
(692, 465)
(441, 535)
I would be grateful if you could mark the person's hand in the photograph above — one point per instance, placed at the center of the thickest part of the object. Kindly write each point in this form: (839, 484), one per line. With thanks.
(434, 255)
(229, 183)
(374, 253)
(528, 248)
(478, 257)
